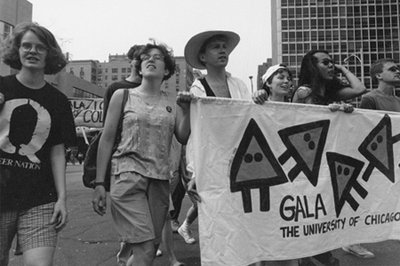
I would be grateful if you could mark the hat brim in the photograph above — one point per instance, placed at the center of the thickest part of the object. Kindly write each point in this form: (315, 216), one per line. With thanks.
(193, 46)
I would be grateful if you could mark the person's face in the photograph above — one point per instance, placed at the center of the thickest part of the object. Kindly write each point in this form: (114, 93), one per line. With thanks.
(32, 52)
(325, 65)
(390, 73)
(281, 84)
(215, 53)
(153, 64)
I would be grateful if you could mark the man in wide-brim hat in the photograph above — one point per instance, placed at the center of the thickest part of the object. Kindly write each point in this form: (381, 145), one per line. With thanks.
(209, 50)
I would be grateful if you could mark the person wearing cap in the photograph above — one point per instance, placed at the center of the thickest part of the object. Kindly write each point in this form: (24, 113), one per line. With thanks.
(209, 50)
(277, 85)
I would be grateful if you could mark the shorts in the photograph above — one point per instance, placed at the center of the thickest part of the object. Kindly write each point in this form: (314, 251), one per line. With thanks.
(31, 227)
(139, 207)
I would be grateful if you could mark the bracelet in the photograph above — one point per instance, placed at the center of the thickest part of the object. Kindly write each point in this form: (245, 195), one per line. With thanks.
(98, 184)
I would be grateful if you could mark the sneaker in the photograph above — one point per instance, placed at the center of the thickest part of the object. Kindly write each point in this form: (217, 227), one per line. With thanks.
(359, 251)
(186, 234)
(158, 253)
(175, 225)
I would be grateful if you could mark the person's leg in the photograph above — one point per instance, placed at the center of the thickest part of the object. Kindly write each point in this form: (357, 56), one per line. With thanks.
(142, 254)
(168, 242)
(37, 237)
(177, 198)
(359, 251)
(42, 256)
(184, 229)
(8, 229)
(131, 217)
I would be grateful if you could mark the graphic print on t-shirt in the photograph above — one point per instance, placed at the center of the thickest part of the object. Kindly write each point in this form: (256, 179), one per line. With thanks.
(344, 171)
(24, 128)
(255, 166)
(305, 143)
(377, 148)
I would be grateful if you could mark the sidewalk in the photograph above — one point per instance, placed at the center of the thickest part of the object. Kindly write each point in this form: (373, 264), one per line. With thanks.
(89, 239)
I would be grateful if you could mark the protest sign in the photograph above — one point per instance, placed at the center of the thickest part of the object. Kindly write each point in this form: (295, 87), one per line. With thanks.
(281, 181)
(87, 112)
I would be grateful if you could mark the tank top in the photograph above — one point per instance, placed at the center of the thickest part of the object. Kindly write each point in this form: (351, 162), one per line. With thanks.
(146, 136)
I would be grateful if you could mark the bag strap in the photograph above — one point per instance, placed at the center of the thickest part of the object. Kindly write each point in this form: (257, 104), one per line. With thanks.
(121, 117)
(209, 91)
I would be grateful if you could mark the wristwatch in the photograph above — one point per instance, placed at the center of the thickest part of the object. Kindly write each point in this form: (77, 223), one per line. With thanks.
(98, 184)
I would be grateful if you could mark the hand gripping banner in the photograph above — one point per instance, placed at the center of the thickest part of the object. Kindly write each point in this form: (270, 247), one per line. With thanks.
(281, 181)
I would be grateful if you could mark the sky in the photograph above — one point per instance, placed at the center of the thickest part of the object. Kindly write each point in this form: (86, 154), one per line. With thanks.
(93, 29)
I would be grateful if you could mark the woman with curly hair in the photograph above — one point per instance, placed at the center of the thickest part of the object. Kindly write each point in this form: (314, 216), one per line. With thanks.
(36, 125)
(139, 191)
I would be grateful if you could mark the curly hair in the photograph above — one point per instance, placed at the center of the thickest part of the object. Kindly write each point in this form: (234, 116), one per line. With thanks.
(311, 76)
(55, 59)
(169, 59)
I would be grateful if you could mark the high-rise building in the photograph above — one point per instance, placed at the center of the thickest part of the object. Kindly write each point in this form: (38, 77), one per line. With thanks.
(12, 12)
(355, 32)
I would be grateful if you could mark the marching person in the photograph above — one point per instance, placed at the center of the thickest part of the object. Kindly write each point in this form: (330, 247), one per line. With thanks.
(318, 84)
(36, 126)
(139, 191)
(209, 50)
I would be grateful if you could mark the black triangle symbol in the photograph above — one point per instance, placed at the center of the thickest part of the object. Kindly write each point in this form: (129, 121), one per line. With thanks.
(344, 171)
(377, 148)
(248, 160)
(305, 143)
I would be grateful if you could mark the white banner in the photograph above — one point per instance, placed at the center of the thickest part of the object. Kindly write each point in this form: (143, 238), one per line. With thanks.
(87, 112)
(282, 181)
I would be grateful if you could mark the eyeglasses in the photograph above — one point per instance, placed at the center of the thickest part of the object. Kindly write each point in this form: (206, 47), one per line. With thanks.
(158, 57)
(394, 69)
(326, 62)
(39, 48)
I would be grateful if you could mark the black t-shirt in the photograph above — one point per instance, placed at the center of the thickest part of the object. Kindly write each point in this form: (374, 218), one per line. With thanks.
(32, 121)
(123, 84)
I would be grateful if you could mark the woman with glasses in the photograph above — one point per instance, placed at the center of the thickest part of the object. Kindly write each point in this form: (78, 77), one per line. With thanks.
(139, 191)
(319, 84)
(36, 126)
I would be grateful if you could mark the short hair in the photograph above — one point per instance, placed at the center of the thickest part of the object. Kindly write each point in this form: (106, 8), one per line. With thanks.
(167, 52)
(377, 67)
(55, 59)
(134, 51)
(202, 50)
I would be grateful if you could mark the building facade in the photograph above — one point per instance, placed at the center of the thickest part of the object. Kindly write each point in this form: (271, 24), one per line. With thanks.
(118, 68)
(12, 12)
(84, 69)
(355, 32)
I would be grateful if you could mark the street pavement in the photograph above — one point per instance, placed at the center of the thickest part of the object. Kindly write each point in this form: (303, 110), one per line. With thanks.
(89, 239)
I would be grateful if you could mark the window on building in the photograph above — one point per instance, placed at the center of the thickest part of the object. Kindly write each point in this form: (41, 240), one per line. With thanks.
(291, 12)
(114, 77)
(298, 12)
(114, 70)
(299, 36)
(285, 25)
(284, 13)
(305, 12)
(306, 24)
(306, 36)
(313, 23)
(285, 48)
(299, 25)
(291, 24)
(123, 70)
